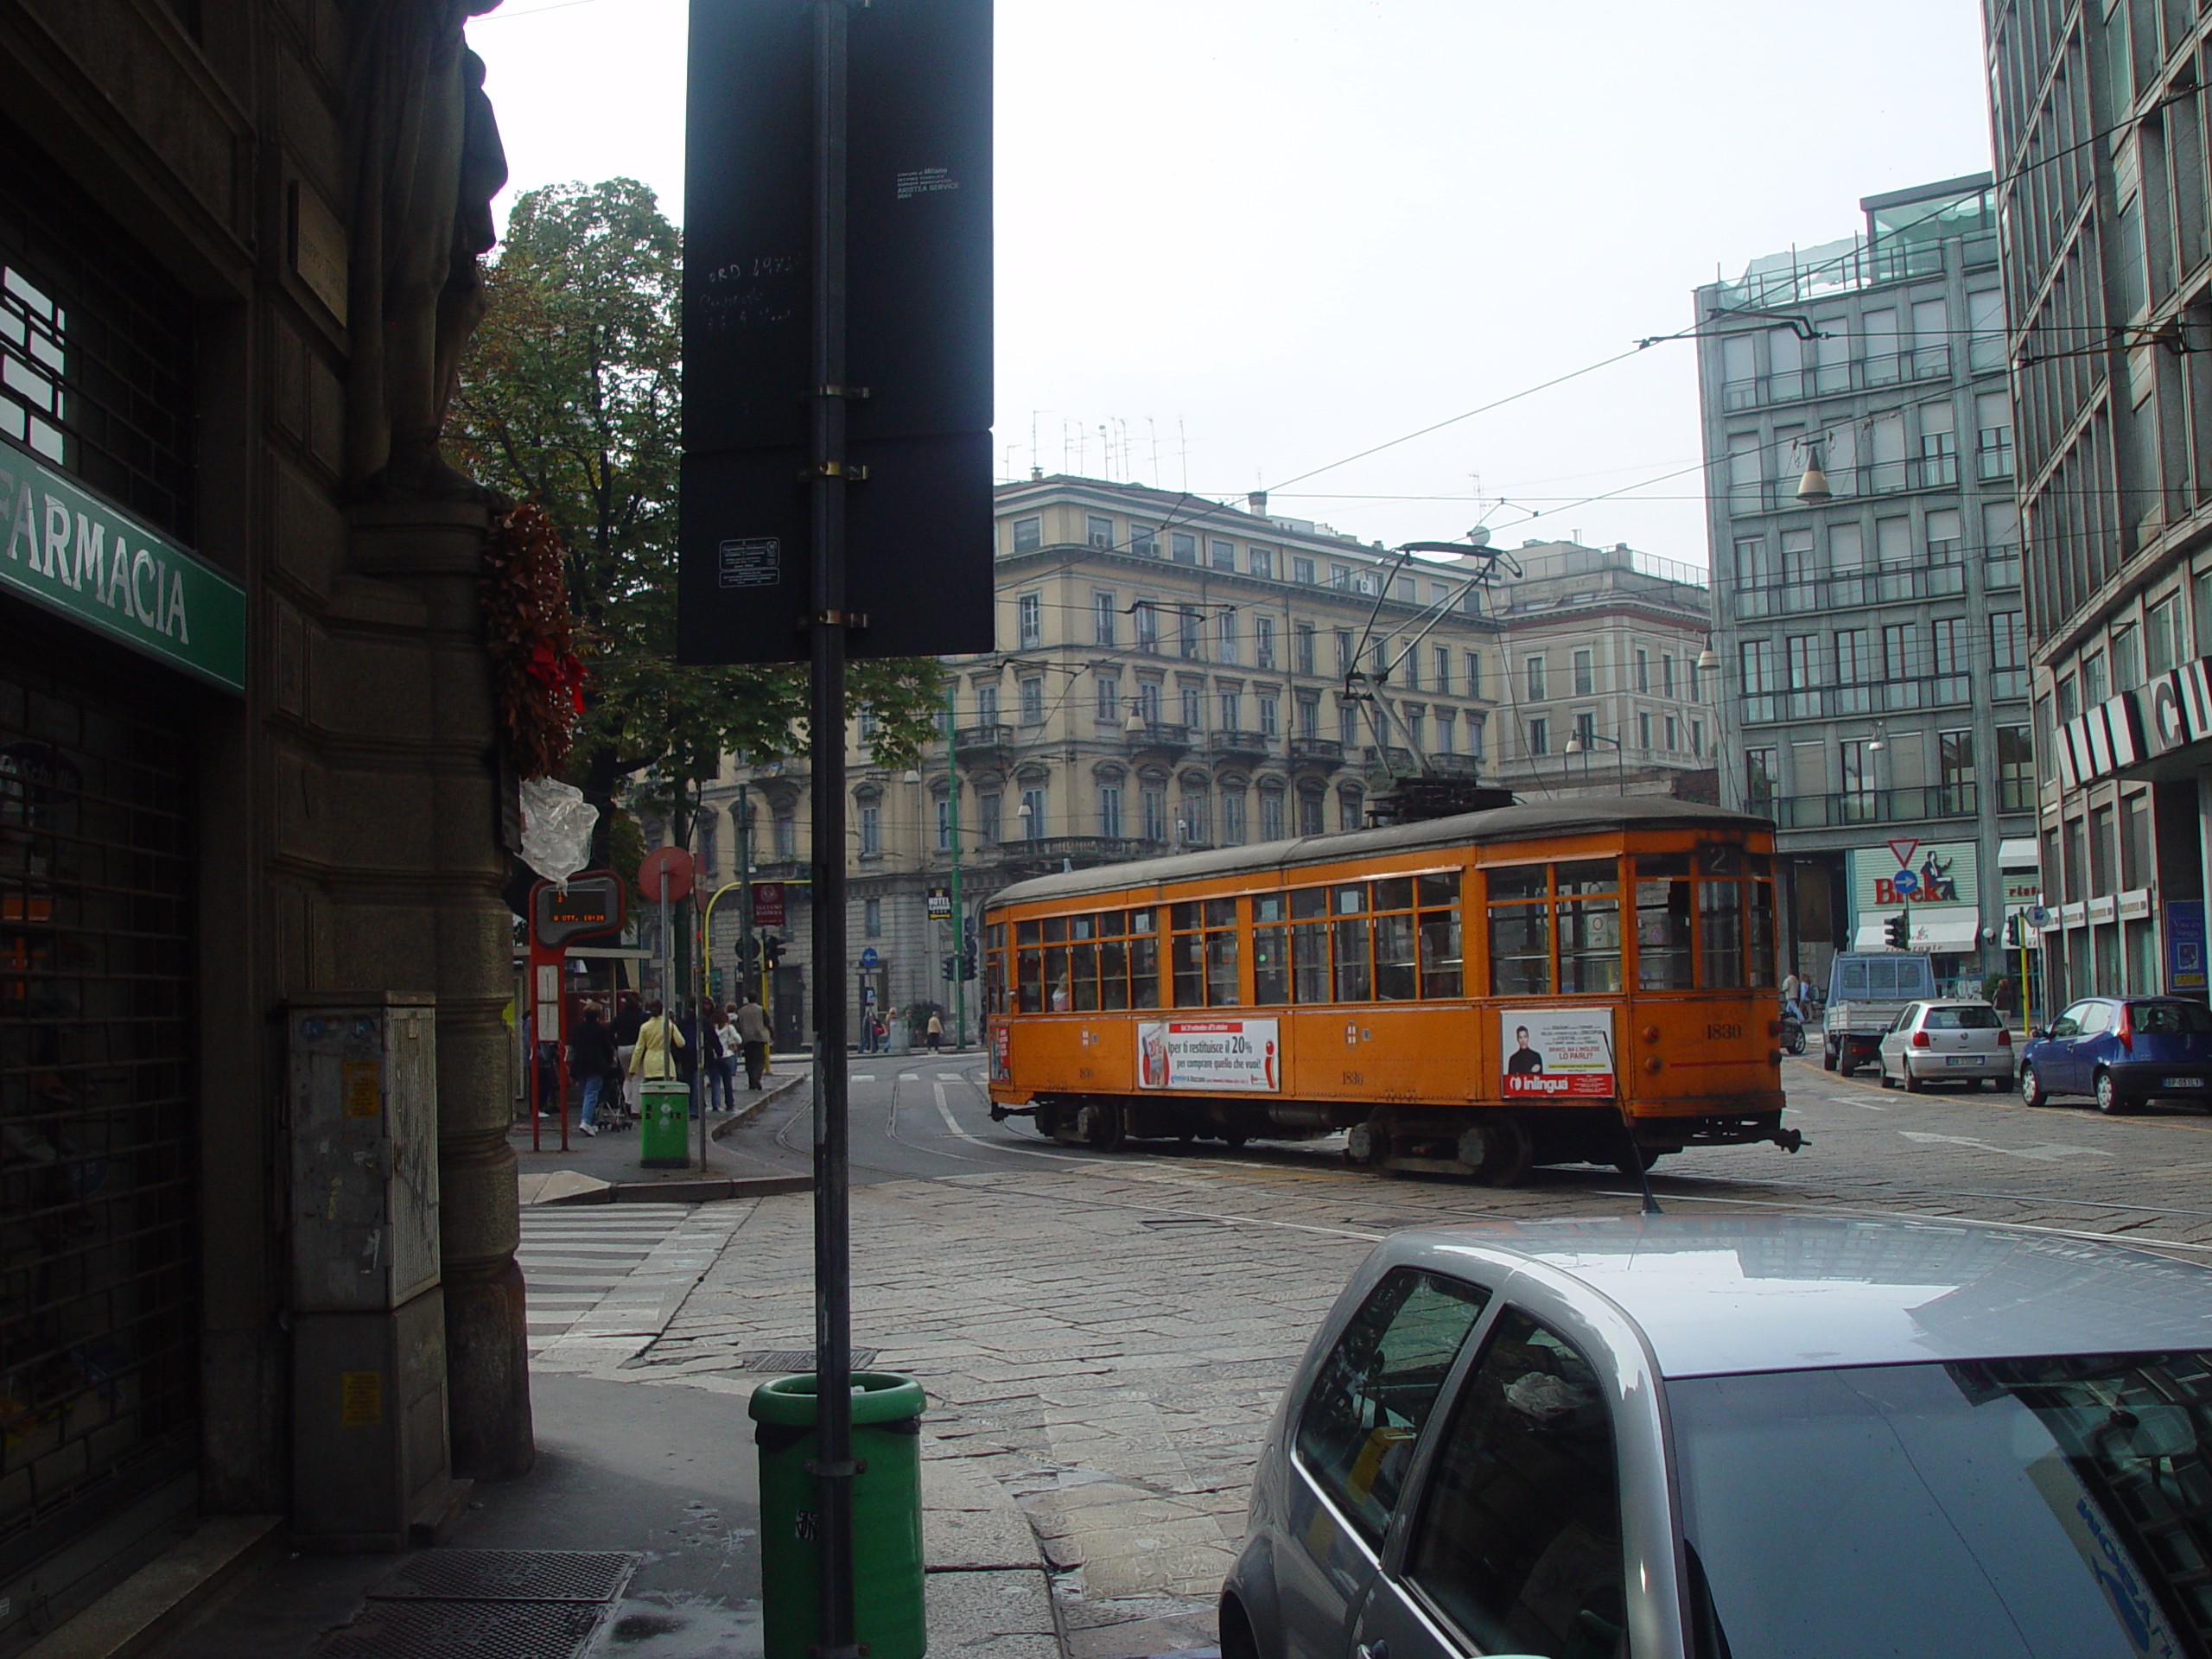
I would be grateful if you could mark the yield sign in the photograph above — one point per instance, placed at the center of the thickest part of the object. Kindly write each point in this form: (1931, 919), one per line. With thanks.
(1903, 851)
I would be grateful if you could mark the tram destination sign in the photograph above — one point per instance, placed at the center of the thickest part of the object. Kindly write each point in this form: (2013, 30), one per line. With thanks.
(79, 554)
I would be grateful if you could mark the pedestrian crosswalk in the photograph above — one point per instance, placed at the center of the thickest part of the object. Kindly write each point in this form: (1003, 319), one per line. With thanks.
(607, 1269)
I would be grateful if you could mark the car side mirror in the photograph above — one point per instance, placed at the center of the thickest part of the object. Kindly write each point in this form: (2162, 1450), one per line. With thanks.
(2036, 1032)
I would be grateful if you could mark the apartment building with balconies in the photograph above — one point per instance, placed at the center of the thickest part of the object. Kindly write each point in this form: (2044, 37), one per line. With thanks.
(1869, 620)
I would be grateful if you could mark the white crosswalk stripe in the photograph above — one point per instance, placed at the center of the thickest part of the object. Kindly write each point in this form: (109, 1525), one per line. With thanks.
(607, 1266)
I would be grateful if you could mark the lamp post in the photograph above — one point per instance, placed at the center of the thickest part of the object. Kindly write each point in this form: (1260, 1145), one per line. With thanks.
(1579, 742)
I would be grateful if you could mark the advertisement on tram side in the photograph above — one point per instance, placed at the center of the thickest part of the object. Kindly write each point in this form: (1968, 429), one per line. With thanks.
(1209, 1056)
(1556, 1053)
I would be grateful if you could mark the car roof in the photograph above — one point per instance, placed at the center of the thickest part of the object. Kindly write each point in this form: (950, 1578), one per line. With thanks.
(1722, 1295)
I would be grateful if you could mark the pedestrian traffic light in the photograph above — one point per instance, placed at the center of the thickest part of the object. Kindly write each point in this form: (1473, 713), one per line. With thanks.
(774, 948)
(1898, 931)
(748, 953)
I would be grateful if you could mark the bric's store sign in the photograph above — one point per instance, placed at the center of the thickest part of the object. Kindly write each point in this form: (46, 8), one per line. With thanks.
(79, 554)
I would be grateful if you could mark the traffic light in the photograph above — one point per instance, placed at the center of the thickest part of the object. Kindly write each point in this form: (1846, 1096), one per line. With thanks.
(774, 948)
(1898, 931)
(748, 953)
(947, 967)
(967, 960)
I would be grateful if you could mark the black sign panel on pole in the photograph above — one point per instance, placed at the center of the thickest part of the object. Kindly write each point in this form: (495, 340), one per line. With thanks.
(919, 310)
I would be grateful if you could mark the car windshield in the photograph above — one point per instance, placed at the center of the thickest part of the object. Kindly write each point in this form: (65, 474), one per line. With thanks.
(2039, 1506)
(1962, 1020)
(2169, 1019)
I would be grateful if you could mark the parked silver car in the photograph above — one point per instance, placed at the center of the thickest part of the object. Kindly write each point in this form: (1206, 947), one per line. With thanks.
(1957, 1041)
(1773, 1438)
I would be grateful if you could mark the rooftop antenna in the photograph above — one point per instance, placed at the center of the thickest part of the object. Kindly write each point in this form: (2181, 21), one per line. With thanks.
(1183, 438)
(1152, 427)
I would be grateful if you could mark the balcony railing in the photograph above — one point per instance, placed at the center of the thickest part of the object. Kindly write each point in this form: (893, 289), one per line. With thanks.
(1790, 280)
(1873, 806)
(983, 745)
(1240, 745)
(1870, 478)
(1986, 355)
(1455, 765)
(1324, 751)
(1155, 737)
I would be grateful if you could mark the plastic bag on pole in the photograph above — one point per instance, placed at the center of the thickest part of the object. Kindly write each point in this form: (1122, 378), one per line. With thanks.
(556, 826)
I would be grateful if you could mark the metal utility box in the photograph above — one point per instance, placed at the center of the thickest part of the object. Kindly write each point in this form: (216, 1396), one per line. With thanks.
(365, 1151)
(372, 1466)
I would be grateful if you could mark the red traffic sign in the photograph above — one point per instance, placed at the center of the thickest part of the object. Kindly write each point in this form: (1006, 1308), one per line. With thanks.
(671, 861)
(768, 904)
(1902, 852)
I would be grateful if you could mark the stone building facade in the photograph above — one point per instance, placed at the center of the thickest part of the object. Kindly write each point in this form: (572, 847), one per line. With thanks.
(246, 744)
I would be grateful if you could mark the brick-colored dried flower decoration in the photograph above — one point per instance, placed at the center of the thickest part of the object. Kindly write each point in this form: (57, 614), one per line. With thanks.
(534, 669)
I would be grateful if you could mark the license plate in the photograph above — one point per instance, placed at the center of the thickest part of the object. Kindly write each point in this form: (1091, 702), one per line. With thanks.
(1963, 1059)
(2181, 1083)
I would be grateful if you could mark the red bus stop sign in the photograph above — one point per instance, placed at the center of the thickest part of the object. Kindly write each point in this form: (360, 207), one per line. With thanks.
(675, 863)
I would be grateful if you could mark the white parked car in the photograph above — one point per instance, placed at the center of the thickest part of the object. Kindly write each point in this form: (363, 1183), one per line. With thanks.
(1947, 1042)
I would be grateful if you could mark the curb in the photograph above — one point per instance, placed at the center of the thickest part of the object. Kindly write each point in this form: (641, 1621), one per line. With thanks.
(707, 1189)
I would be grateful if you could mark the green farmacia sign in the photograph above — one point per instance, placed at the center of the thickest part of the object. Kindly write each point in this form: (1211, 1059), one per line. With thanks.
(79, 554)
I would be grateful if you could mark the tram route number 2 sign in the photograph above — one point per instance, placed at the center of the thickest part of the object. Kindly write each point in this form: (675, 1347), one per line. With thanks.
(1209, 1056)
(1551, 1053)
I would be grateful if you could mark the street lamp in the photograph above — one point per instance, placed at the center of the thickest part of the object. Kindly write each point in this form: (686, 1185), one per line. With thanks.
(1579, 742)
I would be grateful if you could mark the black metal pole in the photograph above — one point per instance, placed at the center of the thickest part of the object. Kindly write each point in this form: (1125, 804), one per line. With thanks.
(833, 1282)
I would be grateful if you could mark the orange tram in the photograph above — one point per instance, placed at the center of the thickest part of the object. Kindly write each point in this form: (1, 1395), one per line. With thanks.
(1533, 984)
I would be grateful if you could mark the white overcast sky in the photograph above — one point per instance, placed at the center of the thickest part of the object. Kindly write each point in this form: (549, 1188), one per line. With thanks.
(1258, 238)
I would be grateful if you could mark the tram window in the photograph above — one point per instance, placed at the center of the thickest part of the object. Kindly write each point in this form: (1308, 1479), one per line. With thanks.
(1662, 933)
(1589, 945)
(1187, 958)
(1588, 875)
(1056, 930)
(1221, 969)
(1144, 969)
(1720, 935)
(1031, 987)
(1394, 892)
(1348, 900)
(1140, 921)
(1113, 974)
(1520, 930)
(1027, 932)
(1762, 931)
(1083, 976)
(1652, 865)
(1220, 912)
(1439, 890)
(1309, 903)
(995, 937)
(1441, 969)
(1354, 979)
(1309, 962)
(1083, 927)
(1396, 980)
(1183, 916)
(1055, 976)
(994, 983)
(1270, 962)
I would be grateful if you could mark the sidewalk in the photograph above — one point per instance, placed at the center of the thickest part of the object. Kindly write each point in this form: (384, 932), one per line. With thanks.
(604, 1169)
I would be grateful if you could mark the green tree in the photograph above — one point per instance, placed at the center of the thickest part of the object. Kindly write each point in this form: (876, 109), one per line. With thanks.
(571, 396)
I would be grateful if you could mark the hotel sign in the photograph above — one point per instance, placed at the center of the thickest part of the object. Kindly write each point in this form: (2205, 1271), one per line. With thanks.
(78, 554)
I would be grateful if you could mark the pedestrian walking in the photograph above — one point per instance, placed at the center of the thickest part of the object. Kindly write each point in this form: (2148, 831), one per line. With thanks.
(629, 1017)
(934, 1032)
(753, 1034)
(660, 1040)
(591, 1057)
(718, 1042)
(1793, 995)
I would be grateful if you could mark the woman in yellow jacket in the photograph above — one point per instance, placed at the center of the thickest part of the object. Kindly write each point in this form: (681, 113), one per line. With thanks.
(657, 1040)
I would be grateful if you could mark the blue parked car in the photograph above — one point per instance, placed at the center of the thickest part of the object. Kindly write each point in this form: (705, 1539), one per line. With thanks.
(2124, 1050)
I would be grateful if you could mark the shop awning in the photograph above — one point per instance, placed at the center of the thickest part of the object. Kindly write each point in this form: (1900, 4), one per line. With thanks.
(1939, 932)
(2018, 855)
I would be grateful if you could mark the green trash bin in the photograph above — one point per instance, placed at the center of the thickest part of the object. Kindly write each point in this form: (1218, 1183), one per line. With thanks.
(887, 1613)
(664, 1125)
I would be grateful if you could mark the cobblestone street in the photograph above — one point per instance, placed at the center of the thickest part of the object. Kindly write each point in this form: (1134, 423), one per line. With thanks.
(1103, 1336)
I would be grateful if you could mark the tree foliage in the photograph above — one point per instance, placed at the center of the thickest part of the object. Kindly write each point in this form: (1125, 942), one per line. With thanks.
(571, 397)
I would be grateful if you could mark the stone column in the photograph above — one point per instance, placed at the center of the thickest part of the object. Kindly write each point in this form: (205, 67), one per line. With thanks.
(438, 756)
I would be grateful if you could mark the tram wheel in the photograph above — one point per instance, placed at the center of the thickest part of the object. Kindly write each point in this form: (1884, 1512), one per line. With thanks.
(1509, 1150)
(1235, 1142)
(1104, 1127)
(1645, 1157)
(1366, 1145)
